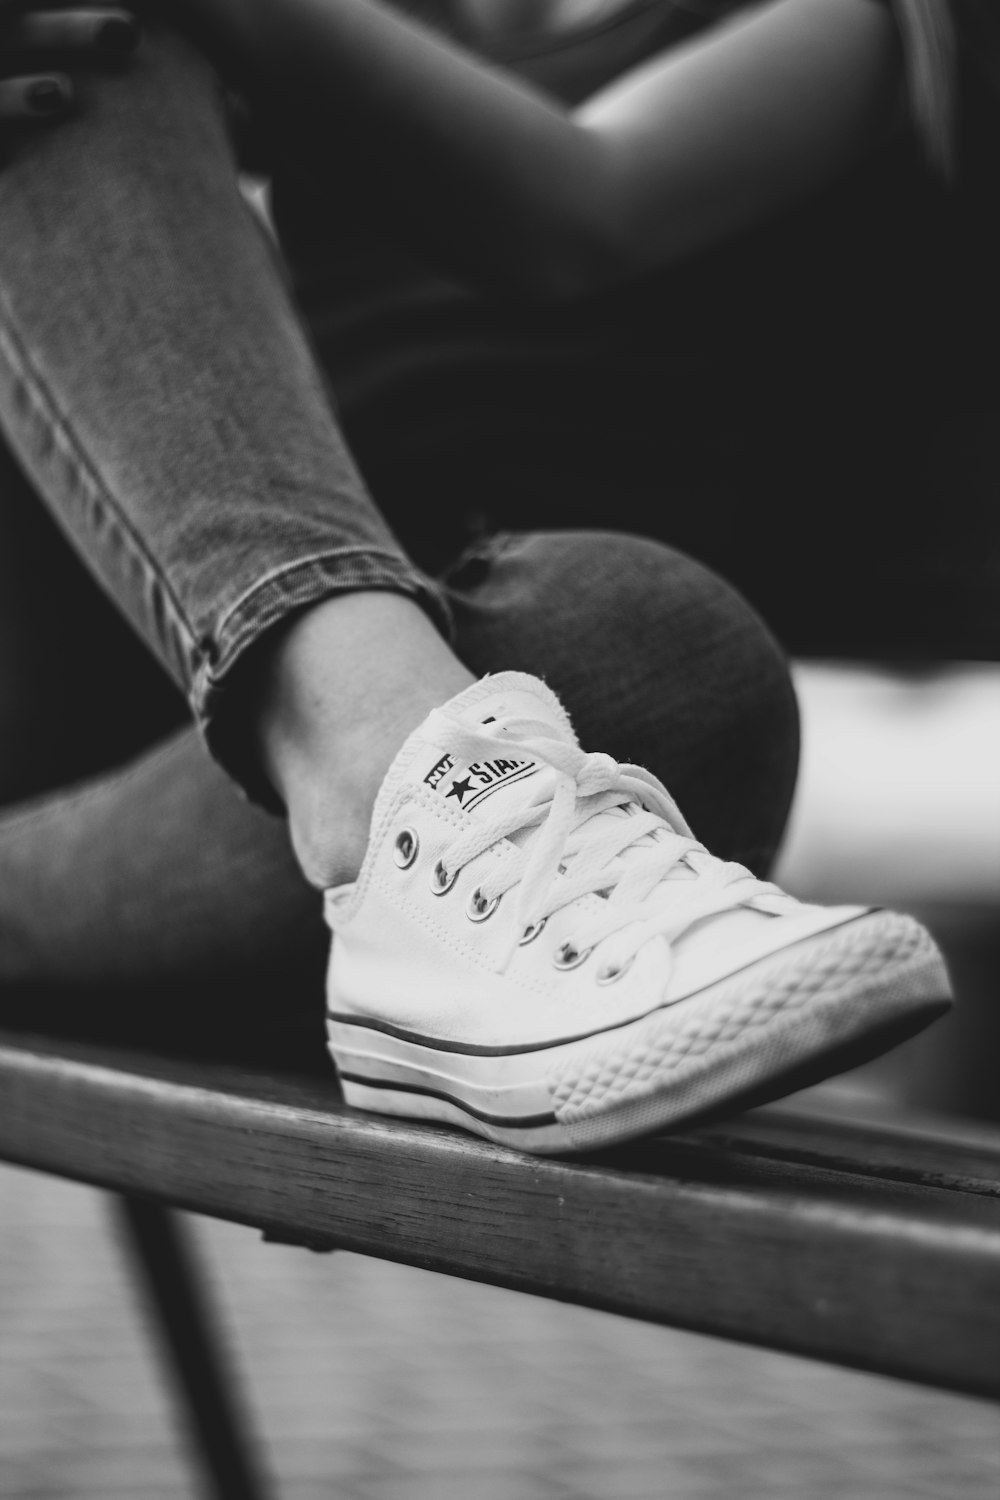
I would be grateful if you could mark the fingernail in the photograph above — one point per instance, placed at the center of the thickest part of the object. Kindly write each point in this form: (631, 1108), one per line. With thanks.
(118, 36)
(45, 97)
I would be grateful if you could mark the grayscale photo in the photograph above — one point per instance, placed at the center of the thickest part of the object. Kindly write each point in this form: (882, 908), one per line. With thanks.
(499, 749)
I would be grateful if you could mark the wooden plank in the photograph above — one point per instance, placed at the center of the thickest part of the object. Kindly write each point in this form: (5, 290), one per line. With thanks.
(921, 1149)
(876, 1272)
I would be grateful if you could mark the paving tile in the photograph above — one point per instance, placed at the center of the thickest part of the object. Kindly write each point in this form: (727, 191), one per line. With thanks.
(318, 1489)
(630, 1480)
(472, 1484)
(373, 1381)
(445, 1452)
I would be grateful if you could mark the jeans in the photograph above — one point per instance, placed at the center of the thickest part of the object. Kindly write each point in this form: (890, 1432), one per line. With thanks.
(162, 401)
(208, 487)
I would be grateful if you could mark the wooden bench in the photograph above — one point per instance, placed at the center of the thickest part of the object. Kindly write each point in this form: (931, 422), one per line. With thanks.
(875, 1246)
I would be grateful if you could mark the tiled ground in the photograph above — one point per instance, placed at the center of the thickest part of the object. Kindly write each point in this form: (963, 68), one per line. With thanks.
(378, 1382)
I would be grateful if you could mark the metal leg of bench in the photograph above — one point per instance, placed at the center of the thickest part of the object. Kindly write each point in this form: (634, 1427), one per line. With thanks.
(165, 1258)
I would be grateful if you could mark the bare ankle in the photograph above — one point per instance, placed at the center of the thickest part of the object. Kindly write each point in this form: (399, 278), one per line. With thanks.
(341, 690)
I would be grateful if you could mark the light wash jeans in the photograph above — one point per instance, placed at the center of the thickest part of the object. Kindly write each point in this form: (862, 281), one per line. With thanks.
(164, 406)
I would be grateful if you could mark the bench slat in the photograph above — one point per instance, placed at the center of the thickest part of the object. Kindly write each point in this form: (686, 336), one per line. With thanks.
(815, 1251)
(921, 1149)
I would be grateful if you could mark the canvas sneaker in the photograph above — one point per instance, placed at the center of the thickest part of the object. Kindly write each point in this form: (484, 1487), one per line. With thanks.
(538, 949)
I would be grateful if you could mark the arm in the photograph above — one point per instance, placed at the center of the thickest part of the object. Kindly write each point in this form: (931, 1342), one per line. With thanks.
(513, 188)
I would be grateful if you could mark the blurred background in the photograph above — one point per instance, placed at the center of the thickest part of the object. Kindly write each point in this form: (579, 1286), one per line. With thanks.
(898, 804)
(372, 1381)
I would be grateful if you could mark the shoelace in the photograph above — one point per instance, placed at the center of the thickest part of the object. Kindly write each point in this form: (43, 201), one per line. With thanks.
(572, 855)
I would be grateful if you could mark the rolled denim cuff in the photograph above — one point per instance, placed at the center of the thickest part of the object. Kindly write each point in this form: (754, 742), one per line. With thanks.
(219, 705)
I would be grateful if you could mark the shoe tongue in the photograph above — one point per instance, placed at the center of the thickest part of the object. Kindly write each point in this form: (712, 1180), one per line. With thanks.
(487, 785)
(495, 778)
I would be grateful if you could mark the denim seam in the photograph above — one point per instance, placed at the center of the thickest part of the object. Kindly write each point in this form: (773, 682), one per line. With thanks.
(332, 572)
(286, 590)
(334, 554)
(31, 384)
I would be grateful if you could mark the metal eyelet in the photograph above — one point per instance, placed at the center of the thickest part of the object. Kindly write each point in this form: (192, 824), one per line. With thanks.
(611, 972)
(568, 957)
(441, 879)
(406, 846)
(479, 908)
(530, 933)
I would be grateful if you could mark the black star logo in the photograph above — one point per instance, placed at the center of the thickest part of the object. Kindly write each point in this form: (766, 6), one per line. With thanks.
(459, 789)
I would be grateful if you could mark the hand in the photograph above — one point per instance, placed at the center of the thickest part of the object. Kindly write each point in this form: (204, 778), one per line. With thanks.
(37, 43)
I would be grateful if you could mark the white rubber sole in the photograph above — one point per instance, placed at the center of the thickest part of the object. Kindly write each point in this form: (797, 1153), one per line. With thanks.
(790, 1019)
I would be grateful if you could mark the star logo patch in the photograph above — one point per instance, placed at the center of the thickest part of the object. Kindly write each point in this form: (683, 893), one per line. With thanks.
(461, 789)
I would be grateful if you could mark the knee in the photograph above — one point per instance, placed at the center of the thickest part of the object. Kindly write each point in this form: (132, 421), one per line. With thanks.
(131, 129)
(658, 660)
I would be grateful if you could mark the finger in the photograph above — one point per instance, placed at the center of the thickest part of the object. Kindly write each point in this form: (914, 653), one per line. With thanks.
(41, 96)
(111, 33)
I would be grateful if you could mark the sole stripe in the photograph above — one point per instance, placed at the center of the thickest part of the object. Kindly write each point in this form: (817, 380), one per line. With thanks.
(512, 1122)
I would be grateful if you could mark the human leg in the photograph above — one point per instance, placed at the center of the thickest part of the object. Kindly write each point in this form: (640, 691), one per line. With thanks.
(111, 887)
(217, 506)
(213, 561)
(122, 420)
(62, 690)
(644, 655)
(658, 661)
(168, 407)
(158, 874)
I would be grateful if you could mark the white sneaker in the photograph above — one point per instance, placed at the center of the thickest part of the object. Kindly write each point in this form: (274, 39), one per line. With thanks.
(539, 950)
